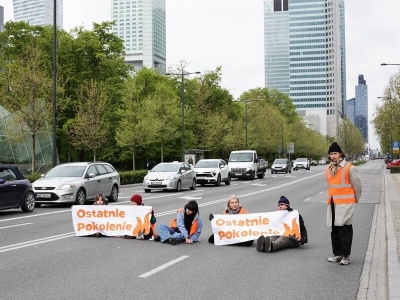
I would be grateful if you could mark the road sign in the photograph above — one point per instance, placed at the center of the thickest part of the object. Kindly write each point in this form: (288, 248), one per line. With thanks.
(290, 148)
(395, 147)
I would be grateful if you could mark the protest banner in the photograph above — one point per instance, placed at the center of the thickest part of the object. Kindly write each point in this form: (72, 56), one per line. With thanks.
(115, 220)
(232, 229)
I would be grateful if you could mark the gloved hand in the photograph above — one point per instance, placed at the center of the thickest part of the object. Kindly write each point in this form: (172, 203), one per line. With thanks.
(211, 217)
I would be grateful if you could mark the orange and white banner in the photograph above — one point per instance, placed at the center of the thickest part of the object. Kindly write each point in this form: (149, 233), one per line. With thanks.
(232, 229)
(111, 220)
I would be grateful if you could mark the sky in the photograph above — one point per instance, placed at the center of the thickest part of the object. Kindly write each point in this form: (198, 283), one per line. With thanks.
(207, 34)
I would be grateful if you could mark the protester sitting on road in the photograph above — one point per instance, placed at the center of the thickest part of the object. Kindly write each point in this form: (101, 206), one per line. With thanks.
(100, 200)
(137, 200)
(275, 243)
(232, 208)
(186, 227)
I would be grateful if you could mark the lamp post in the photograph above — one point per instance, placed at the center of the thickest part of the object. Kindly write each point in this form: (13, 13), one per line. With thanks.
(391, 122)
(385, 64)
(54, 155)
(182, 74)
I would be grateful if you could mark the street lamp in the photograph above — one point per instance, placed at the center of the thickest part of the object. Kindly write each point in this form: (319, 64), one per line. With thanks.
(182, 74)
(54, 155)
(246, 119)
(385, 64)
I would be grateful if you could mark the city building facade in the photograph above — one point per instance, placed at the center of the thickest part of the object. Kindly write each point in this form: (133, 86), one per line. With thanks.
(361, 107)
(304, 47)
(38, 12)
(141, 24)
(1, 18)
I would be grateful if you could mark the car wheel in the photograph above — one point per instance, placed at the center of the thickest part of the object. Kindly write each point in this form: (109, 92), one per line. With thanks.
(193, 187)
(178, 186)
(114, 194)
(218, 183)
(147, 190)
(272, 172)
(228, 180)
(253, 175)
(28, 202)
(80, 197)
(38, 204)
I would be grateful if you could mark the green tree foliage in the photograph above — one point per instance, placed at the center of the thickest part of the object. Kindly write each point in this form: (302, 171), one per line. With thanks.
(26, 92)
(350, 139)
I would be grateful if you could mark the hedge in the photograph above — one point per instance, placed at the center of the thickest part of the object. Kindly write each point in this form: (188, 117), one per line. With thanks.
(395, 169)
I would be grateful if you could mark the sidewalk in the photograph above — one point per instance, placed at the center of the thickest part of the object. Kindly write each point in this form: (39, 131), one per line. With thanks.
(380, 278)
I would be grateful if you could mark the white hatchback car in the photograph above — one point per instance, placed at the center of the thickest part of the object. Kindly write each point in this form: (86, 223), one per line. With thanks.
(212, 171)
(76, 183)
(170, 176)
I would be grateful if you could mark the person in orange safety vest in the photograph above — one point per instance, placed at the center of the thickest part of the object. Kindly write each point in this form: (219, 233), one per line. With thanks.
(344, 191)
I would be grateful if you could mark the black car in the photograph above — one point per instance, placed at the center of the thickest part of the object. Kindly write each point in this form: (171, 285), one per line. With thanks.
(15, 190)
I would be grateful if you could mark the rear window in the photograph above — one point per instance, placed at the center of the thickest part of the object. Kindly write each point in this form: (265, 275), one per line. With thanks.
(109, 168)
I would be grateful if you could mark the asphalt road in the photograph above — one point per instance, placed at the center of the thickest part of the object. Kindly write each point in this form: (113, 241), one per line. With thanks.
(41, 258)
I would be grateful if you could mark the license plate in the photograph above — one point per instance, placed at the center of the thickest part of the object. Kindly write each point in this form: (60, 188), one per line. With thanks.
(156, 183)
(43, 196)
(201, 178)
(238, 174)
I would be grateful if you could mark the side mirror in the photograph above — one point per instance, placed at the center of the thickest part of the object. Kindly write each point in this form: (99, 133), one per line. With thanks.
(90, 175)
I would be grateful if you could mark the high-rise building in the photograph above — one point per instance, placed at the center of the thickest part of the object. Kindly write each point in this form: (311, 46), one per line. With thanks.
(1, 18)
(351, 109)
(305, 58)
(38, 12)
(361, 107)
(142, 26)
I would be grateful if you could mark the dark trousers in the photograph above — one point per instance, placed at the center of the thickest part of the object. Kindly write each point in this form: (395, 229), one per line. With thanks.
(342, 237)
(282, 242)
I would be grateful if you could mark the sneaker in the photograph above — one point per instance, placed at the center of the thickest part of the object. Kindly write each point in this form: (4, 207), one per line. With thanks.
(335, 258)
(173, 241)
(260, 244)
(157, 238)
(268, 244)
(140, 237)
(345, 260)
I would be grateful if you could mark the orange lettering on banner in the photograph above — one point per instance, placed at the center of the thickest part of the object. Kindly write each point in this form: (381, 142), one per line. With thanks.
(106, 213)
(103, 226)
(246, 222)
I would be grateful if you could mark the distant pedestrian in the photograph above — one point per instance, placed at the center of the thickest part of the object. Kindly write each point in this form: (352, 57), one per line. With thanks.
(344, 191)
(278, 242)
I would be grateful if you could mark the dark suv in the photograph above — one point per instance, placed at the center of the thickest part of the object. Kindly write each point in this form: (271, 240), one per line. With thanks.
(281, 165)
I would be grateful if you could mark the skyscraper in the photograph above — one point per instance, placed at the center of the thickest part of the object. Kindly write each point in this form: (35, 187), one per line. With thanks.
(38, 12)
(141, 24)
(305, 58)
(1, 18)
(361, 107)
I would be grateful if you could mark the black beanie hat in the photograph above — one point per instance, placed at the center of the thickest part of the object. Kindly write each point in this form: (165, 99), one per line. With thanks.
(284, 200)
(334, 148)
(192, 205)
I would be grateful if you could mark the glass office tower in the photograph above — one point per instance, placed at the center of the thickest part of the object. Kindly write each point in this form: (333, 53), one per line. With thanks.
(307, 63)
(38, 12)
(361, 107)
(1, 18)
(141, 24)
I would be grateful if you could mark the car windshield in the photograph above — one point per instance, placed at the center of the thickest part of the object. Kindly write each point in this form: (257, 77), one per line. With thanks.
(244, 157)
(301, 159)
(280, 161)
(66, 171)
(207, 164)
(166, 168)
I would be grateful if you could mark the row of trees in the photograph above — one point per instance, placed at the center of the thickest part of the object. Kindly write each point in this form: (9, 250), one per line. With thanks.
(387, 115)
(103, 113)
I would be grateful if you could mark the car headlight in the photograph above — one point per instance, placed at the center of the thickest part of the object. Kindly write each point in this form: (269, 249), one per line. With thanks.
(173, 177)
(66, 187)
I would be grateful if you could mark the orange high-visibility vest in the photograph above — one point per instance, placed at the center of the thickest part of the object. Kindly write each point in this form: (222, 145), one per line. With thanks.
(339, 186)
(174, 224)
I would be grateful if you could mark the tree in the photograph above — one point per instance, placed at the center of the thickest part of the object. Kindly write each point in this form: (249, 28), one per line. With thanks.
(89, 127)
(26, 92)
(350, 139)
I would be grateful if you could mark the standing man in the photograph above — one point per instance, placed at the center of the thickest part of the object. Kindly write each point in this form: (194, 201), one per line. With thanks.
(344, 191)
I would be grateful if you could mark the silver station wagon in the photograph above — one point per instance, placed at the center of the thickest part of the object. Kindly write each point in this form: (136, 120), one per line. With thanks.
(77, 183)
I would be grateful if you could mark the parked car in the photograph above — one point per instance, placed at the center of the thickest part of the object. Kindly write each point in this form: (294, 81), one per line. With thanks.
(77, 183)
(281, 165)
(393, 163)
(170, 176)
(322, 162)
(301, 163)
(313, 163)
(15, 190)
(212, 171)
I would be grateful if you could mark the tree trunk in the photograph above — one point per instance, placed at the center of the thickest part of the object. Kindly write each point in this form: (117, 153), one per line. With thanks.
(133, 159)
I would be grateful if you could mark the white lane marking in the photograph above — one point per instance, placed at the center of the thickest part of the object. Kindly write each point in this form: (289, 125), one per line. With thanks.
(164, 266)
(36, 242)
(307, 199)
(190, 198)
(16, 225)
